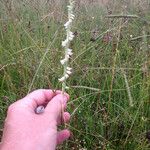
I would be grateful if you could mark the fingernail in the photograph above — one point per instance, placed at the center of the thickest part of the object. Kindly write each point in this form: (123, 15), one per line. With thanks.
(39, 110)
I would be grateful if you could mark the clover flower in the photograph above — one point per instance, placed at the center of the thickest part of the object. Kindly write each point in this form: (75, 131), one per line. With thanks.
(66, 45)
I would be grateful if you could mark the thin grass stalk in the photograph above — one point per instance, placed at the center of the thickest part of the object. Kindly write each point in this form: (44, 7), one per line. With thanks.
(128, 89)
(115, 61)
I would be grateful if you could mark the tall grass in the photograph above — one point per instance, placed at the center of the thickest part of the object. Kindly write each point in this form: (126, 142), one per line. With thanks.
(101, 117)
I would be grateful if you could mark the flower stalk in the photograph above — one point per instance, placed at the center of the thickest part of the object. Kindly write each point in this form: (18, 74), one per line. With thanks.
(66, 45)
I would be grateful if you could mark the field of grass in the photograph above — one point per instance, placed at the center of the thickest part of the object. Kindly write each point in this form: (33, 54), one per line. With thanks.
(110, 84)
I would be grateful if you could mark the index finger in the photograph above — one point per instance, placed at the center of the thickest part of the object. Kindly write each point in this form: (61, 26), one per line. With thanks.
(39, 97)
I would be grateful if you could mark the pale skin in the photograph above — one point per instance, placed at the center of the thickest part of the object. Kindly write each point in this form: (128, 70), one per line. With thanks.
(26, 130)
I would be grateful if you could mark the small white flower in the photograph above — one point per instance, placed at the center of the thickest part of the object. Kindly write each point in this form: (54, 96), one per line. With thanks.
(68, 23)
(69, 69)
(62, 79)
(70, 36)
(69, 50)
(69, 7)
(71, 16)
(71, 33)
(67, 56)
(69, 72)
(63, 61)
(64, 43)
(70, 53)
(66, 76)
(66, 87)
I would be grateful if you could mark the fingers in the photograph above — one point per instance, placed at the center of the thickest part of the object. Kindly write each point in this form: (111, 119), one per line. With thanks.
(64, 119)
(56, 106)
(39, 97)
(63, 135)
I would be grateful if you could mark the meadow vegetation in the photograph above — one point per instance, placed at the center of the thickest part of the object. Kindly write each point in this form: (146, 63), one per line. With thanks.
(110, 84)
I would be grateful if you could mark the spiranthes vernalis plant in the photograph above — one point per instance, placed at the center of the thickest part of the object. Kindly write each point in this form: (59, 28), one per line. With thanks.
(66, 45)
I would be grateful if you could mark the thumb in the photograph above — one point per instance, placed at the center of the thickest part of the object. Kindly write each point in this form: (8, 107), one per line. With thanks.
(62, 136)
(56, 106)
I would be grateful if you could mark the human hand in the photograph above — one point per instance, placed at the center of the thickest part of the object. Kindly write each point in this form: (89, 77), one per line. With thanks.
(26, 130)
